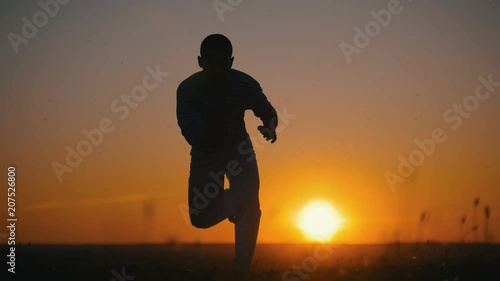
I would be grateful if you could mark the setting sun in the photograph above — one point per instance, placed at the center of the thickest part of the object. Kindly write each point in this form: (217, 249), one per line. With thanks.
(319, 221)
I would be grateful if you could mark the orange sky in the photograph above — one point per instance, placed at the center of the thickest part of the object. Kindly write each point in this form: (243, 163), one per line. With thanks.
(351, 120)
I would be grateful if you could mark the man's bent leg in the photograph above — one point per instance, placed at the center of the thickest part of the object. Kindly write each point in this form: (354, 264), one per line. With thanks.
(206, 193)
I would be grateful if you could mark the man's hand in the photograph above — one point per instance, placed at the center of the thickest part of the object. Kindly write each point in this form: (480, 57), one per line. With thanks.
(268, 133)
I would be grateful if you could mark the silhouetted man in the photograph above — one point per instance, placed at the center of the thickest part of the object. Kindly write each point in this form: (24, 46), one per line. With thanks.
(210, 112)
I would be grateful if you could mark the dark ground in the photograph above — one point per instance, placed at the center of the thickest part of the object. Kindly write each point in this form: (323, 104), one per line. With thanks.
(391, 262)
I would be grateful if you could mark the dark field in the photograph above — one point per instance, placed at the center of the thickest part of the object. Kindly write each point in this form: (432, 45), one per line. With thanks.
(391, 262)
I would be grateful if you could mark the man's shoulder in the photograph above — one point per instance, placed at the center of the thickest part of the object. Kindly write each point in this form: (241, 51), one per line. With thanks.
(243, 77)
(190, 82)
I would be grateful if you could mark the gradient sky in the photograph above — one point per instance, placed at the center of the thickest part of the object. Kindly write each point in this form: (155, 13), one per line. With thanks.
(352, 120)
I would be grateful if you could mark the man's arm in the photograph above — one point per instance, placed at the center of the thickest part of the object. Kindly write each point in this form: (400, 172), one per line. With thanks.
(263, 109)
(188, 116)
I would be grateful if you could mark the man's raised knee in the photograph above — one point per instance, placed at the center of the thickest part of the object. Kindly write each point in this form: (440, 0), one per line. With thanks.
(198, 222)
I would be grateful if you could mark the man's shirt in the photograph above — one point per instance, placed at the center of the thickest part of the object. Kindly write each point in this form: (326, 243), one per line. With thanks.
(213, 120)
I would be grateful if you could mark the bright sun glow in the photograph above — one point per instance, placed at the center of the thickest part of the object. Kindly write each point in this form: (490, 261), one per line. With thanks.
(319, 221)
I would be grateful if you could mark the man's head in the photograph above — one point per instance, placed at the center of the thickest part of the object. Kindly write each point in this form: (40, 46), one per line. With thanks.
(216, 56)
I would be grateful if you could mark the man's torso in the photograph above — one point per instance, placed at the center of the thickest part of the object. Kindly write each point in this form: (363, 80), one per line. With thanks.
(222, 107)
